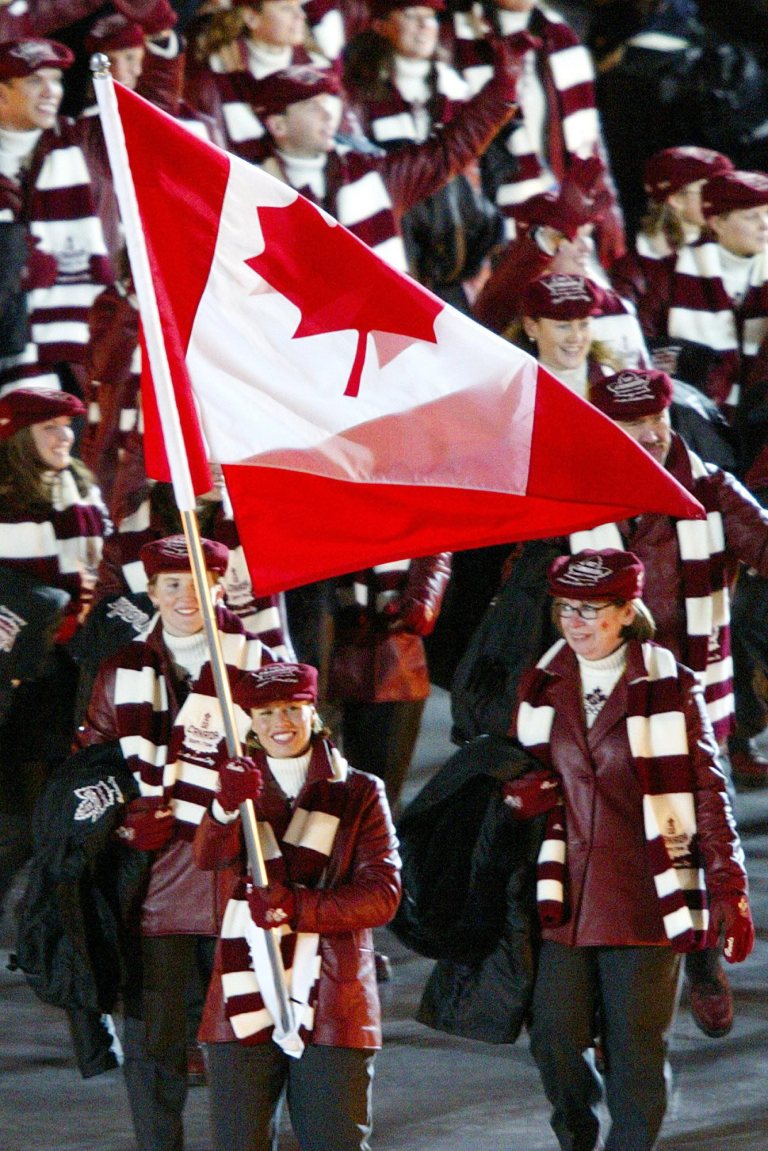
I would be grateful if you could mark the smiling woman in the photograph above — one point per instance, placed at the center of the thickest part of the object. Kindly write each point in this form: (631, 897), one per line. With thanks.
(333, 875)
(52, 528)
(154, 698)
(639, 842)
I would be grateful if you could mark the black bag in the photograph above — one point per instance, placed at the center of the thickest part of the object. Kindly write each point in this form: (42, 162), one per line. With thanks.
(514, 632)
(447, 910)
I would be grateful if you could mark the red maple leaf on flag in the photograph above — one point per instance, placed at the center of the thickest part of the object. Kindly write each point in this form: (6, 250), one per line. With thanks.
(338, 284)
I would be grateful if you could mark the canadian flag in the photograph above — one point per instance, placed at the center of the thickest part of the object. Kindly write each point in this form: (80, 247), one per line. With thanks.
(359, 419)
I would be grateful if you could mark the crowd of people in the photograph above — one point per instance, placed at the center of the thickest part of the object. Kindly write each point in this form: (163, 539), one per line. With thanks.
(489, 151)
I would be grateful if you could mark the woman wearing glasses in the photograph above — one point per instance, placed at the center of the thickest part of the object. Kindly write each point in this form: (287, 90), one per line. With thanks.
(641, 859)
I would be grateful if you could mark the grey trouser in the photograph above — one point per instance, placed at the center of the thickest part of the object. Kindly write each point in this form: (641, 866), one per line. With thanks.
(328, 1091)
(633, 991)
(155, 1037)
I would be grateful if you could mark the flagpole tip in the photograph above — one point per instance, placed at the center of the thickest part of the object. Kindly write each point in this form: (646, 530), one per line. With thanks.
(100, 65)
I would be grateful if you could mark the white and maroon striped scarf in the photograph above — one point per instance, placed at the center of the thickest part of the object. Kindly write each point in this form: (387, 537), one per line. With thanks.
(59, 207)
(179, 758)
(658, 744)
(573, 81)
(297, 854)
(702, 312)
(703, 567)
(374, 588)
(245, 133)
(391, 120)
(59, 543)
(357, 195)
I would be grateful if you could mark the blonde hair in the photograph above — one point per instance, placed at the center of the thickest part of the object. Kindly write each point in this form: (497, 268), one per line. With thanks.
(643, 626)
(663, 220)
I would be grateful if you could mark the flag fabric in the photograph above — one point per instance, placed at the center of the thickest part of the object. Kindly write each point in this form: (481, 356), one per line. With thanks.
(358, 418)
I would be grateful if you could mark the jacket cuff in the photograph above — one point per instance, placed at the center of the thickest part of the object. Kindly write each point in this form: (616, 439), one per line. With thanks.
(222, 816)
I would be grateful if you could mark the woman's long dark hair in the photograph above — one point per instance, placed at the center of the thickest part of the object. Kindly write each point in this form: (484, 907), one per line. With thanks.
(369, 64)
(23, 484)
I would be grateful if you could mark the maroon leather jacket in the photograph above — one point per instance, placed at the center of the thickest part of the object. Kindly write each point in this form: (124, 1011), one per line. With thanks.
(654, 539)
(361, 890)
(180, 899)
(610, 883)
(377, 657)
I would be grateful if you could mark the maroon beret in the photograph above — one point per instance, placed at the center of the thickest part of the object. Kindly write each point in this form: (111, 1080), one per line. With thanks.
(560, 297)
(112, 33)
(582, 198)
(271, 95)
(632, 393)
(606, 574)
(26, 406)
(732, 191)
(380, 9)
(292, 682)
(672, 169)
(548, 210)
(170, 555)
(23, 57)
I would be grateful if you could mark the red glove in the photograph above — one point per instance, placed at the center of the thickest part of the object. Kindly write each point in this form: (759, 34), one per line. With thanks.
(239, 779)
(533, 794)
(272, 906)
(153, 15)
(729, 916)
(41, 269)
(148, 824)
(508, 54)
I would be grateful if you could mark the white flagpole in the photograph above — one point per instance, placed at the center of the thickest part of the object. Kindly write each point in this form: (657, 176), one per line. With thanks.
(114, 138)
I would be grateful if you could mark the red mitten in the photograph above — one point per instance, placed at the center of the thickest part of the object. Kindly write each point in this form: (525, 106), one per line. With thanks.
(153, 15)
(41, 269)
(239, 779)
(272, 906)
(508, 54)
(533, 794)
(730, 917)
(148, 824)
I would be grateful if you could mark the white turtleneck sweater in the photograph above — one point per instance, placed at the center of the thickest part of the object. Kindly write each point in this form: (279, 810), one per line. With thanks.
(736, 273)
(291, 774)
(189, 652)
(306, 171)
(411, 79)
(16, 150)
(575, 379)
(264, 59)
(598, 679)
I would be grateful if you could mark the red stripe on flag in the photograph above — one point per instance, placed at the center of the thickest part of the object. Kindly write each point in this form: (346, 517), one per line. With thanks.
(297, 527)
(180, 202)
(597, 462)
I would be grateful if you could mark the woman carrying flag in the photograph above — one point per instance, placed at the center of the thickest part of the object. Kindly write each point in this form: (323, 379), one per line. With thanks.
(333, 871)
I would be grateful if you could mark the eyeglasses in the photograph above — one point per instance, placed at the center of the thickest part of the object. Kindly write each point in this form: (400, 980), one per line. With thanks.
(583, 610)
